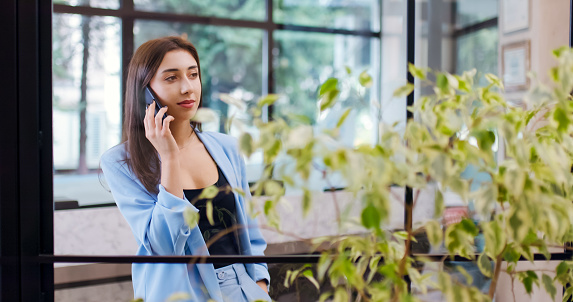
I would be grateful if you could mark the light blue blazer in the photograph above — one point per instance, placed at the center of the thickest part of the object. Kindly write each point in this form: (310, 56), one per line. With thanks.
(159, 228)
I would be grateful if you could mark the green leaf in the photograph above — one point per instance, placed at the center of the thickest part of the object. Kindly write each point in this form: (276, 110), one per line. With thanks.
(568, 294)
(228, 99)
(246, 144)
(268, 99)
(438, 204)
(469, 227)
(343, 117)
(205, 115)
(365, 79)
(554, 74)
(273, 188)
(485, 266)
(485, 140)
(308, 274)
(404, 90)
(370, 217)
(528, 278)
(400, 235)
(329, 85)
(493, 79)
(561, 269)
(328, 99)
(268, 207)
(416, 72)
(434, 232)
(209, 192)
(209, 212)
(191, 217)
(178, 297)
(562, 119)
(442, 83)
(559, 51)
(348, 70)
(340, 295)
(452, 81)
(549, 287)
(495, 238)
(306, 202)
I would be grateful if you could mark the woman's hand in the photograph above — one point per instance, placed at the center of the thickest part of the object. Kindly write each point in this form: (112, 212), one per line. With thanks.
(158, 132)
(263, 285)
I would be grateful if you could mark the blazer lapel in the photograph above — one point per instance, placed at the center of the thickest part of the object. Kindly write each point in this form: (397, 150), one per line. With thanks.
(220, 157)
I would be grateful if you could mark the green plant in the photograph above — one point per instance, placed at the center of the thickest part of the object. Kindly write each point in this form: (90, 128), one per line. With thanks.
(524, 205)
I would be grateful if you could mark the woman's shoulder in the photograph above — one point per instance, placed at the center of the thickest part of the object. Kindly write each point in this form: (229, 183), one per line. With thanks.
(226, 141)
(115, 155)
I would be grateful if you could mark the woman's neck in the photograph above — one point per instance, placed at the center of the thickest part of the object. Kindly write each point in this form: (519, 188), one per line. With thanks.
(182, 132)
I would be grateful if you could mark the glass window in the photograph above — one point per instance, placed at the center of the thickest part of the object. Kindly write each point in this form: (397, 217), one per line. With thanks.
(341, 14)
(478, 50)
(246, 10)
(86, 100)
(305, 60)
(469, 12)
(110, 4)
(231, 62)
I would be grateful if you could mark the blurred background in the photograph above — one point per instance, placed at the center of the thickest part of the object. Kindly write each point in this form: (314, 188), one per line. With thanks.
(250, 48)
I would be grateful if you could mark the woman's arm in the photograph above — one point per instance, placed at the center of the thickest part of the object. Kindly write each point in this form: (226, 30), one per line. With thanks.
(156, 221)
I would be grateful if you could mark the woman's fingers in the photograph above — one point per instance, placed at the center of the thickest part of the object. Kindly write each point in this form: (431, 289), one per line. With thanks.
(159, 118)
(166, 122)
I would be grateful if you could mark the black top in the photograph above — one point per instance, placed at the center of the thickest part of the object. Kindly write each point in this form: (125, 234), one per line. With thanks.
(224, 216)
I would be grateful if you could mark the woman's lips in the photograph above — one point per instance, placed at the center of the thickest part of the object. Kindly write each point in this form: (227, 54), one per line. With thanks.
(186, 104)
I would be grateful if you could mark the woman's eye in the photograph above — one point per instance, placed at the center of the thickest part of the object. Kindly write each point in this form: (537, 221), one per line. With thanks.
(193, 75)
(171, 78)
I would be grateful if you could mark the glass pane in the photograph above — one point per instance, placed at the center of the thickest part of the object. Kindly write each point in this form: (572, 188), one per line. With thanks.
(231, 62)
(439, 49)
(305, 60)
(86, 103)
(245, 10)
(343, 14)
(470, 12)
(109, 4)
(478, 50)
(302, 62)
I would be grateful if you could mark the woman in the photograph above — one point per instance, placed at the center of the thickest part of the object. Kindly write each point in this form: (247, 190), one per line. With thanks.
(162, 165)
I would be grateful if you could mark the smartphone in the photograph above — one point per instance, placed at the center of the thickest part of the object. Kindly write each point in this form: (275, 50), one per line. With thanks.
(150, 96)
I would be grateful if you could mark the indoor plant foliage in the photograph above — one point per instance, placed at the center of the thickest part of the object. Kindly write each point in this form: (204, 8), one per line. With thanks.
(524, 206)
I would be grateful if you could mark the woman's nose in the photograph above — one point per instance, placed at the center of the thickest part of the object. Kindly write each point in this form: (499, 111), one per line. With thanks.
(186, 86)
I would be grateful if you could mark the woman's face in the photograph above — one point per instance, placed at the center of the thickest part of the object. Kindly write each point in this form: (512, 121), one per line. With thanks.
(176, 83)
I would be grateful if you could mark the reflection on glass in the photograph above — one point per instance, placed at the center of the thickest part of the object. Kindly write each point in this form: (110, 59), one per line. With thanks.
(469, 12)
(231, 62)
(110, 4)
(246, 10)
(86, 102)
(344, 14)
(303, 61)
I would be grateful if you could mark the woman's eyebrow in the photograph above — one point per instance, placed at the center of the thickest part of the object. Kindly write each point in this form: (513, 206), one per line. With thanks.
(175, 69)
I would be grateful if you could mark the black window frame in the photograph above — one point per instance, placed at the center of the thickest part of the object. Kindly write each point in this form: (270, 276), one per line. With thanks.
(26, 172)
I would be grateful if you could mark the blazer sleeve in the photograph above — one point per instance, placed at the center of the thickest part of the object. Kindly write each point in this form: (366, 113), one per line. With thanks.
(258, 243)
(156, 221)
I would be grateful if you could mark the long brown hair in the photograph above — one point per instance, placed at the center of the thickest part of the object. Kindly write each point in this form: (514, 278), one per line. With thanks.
(142, 157)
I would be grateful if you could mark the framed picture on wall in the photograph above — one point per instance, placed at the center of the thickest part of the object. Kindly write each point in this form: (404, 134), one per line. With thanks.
(515, 15)
(515, 64)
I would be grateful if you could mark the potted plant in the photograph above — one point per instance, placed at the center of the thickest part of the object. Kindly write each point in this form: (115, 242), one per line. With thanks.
(524, 201)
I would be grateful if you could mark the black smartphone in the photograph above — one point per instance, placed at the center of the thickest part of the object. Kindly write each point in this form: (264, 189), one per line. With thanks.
(150, 97)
